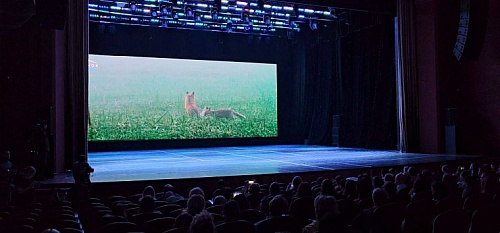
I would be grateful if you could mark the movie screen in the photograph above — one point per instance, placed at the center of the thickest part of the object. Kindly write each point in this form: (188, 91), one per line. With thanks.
(143, 98)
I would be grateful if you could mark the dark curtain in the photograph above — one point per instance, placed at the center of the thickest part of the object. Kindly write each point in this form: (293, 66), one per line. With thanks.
(76, 82)
(368, 82)
(320, 74)
(409, 137)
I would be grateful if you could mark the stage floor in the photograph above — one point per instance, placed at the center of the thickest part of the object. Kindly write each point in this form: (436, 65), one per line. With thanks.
(248, 160)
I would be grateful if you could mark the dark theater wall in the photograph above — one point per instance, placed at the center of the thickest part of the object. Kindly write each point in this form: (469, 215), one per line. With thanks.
(478, 127)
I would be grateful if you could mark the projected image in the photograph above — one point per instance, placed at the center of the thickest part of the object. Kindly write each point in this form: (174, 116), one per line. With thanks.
(138, 98)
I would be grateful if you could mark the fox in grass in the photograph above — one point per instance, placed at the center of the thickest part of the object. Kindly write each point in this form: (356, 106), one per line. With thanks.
(221, 113)
(190, 105)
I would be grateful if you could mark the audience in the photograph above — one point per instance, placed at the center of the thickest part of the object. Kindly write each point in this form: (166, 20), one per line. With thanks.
(364, 193)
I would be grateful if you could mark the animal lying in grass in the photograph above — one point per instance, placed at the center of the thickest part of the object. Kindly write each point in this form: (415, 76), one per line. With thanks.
(221, 113)
(190, 105)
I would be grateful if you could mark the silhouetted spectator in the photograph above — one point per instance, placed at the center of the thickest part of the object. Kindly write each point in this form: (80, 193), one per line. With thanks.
(169, 195)
(196, 190)
(323, 204)
(327, 188)
(149, 191)
(220, 200)
(183, 220)
(202, 222)
(304, 190)
(195, 204)
(278, 206)
(231, 211)
(274, 189)
(254, 196)
(81, 174)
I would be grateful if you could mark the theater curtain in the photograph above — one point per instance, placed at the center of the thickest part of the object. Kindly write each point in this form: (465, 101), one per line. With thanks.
(76, 82)
(362, 89)
(407, 83)
(320, 74)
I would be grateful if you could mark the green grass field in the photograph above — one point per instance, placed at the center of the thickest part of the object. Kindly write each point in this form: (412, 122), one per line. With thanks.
(134, 106)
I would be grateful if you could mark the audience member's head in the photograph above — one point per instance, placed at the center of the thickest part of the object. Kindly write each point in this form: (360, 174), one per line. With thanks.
(183, 220)
(274, 189)
(242, 201)
(489, 183)
(254, 188)
(304, 190)
(350, 189)
(149, 191)
(324, 204)
(221, 184)
(168, 190)
(380, 197)
(231, 211)
(327, 187)
(195, 204)
(146, 204)
(296, 182)
(445, 169)
(196, 190)
(400, 179)
(202, 222)
(390, 188)
(278, 206)
(364, 186)
(389, 177)
(219, 200)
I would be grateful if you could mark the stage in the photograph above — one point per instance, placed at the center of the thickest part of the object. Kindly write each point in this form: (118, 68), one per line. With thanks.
(249, 160)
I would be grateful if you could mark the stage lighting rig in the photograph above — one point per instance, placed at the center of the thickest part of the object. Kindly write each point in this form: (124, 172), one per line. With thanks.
(243, 16)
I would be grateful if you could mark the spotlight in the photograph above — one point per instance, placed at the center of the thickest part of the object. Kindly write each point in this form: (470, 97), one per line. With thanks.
(214, 13)
(174, 14)
(197, 16)
(229, 26)
(188, 11)
(154, 13)
(292, 23)
(313, 24)
(245, 15)
(132, 5)
(267, 19)
(166, 9)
